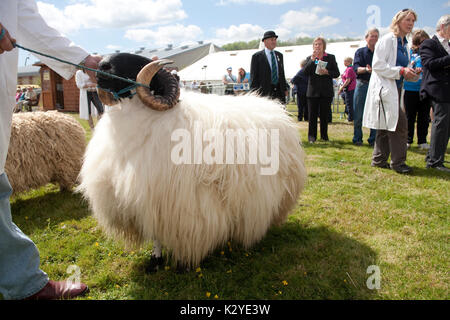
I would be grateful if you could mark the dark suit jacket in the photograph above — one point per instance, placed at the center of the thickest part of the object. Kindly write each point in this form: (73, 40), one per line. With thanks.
(301, 81)
(261, 74)
(321, 86)
(436, 71)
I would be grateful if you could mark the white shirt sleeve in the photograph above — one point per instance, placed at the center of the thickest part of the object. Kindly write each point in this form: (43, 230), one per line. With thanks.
(35, 34)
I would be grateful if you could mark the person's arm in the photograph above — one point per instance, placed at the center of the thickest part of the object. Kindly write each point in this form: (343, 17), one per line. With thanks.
(37, 35)
(381, 66)
(332, 67)
(254, 73)
(310, 66)
(428, 55)
(344, 85)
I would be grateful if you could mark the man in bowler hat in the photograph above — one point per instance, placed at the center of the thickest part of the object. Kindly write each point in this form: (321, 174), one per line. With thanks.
(267, 70)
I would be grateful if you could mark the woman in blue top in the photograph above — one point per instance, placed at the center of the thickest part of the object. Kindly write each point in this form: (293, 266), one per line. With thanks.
(243, 76)
(414, 107)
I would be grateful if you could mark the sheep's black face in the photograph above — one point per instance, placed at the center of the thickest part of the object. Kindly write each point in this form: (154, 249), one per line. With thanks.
(125, 65)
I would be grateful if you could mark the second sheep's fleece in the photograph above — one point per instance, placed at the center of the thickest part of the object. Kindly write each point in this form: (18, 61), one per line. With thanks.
(45, 147)
(139, 193)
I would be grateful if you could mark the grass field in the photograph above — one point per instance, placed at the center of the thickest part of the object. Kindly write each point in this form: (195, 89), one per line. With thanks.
(350, 217)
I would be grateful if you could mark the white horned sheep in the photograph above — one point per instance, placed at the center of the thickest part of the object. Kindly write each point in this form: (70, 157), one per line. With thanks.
(142, 185)
(45, 147)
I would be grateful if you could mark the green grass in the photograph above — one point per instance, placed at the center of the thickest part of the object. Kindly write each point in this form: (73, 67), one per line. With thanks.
(349, 217)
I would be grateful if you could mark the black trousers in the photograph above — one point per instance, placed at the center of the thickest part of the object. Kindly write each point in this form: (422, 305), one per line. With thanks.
(92, 96)
(277, 93)
(420, 110)
(440, 132)
(302, 105)
(318, 107)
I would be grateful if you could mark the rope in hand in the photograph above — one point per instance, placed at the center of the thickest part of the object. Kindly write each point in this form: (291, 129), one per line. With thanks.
(83, 67)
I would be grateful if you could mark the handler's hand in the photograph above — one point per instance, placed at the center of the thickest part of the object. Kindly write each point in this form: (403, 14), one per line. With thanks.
(92, 62)
(6, 43)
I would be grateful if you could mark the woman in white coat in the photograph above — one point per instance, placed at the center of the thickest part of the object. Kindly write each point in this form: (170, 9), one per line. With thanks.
(88, 95)
(384, 109)
(20, 274)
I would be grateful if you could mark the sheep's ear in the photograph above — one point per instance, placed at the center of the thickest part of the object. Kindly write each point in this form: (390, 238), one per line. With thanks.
(106, 97)
(171, 88)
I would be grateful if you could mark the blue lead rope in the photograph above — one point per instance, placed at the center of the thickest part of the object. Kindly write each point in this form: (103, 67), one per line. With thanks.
(2, 34)
(115, 94)
(124, 90)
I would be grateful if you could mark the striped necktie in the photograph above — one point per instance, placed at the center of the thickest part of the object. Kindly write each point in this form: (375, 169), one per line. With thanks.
(274, 69)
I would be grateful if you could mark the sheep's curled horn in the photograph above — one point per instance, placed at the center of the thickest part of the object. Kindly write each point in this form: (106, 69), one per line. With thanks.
(171, 88)
(159, 102)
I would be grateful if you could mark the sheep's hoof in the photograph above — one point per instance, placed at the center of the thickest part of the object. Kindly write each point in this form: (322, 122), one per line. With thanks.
(154, 264)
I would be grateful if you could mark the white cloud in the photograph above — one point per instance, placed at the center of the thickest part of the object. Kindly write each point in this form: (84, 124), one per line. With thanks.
(176, 34)
(113, 47)
(243, 32)
(270, 2)
(112, 14)
(307, 20)
(56, 19)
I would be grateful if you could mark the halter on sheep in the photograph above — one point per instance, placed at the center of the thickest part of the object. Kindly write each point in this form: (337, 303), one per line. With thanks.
(138, 193)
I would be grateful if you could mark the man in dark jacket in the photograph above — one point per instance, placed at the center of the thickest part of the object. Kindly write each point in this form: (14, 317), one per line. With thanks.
(267, 70)
(435, 86)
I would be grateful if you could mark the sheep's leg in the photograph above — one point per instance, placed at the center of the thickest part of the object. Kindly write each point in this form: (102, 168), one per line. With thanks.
(156, 259)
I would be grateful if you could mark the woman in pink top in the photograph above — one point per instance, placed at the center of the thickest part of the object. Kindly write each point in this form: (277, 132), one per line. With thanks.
(348, 87)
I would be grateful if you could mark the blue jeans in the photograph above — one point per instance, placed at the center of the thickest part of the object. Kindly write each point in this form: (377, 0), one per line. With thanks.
(20, 276)
(359, 101)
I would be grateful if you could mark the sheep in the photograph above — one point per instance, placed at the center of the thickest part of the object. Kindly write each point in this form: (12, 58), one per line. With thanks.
(145, 181)
(45, 147)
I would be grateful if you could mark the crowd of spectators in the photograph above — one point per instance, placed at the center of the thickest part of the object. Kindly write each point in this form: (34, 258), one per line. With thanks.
(385, 87)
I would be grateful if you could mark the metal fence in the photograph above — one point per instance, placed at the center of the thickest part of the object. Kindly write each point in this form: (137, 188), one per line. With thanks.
(216, 87)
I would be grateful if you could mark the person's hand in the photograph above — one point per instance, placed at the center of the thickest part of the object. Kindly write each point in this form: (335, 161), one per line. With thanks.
(7, 42)
(409, 74)
(418, 70)
(368, 69)
(316, 55)
(92, 62)
(323, 72)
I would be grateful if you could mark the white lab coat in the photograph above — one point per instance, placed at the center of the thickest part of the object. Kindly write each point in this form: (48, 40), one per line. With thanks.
(82, 79)
(382, 91)
(25, 24)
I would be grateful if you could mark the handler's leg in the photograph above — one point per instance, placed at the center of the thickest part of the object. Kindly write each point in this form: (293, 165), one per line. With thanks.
(20, 276)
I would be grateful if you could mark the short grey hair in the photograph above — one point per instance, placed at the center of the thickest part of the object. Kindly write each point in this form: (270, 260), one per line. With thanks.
(444, 20)
(370, 31)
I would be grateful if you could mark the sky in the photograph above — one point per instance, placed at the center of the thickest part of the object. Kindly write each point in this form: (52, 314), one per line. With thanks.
(103, 26)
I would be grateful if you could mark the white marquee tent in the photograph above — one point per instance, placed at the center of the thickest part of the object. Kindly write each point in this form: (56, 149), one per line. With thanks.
(213, 66)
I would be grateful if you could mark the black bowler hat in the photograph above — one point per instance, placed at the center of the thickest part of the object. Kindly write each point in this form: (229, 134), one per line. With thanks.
(269, 34)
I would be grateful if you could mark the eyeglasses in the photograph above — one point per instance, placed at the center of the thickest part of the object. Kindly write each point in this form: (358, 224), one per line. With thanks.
(404, 10)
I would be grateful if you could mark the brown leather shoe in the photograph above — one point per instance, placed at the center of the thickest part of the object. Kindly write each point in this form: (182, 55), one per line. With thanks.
(59, 290)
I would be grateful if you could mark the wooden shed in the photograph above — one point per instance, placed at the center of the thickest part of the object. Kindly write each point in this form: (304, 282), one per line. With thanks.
(58, 93)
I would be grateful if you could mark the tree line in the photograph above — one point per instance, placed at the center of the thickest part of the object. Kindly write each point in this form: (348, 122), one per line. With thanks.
(254, 44)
